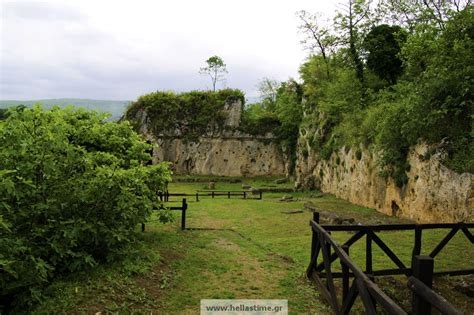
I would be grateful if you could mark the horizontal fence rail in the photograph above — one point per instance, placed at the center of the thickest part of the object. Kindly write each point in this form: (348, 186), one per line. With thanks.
(362, 285)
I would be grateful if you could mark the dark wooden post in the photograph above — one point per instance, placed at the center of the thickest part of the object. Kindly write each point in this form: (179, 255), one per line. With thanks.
(183, 214)
(416, 246)
(260, 195)
(368, 253)
(314, 236)
(212, 194)
(228, 195)
(368, 260)
(197, 197)
(245, 195)
(328, 250)
(345, 275)
(422, 270)
(160, 195)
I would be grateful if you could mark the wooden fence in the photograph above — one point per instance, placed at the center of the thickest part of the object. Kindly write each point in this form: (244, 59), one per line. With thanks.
(419, 271)
(165, 196)
(245, 194)
(182, 208)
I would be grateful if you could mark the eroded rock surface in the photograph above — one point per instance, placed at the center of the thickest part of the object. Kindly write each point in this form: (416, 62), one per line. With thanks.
(433, 192)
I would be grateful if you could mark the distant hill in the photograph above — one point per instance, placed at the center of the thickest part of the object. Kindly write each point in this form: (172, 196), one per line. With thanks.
(115, 108)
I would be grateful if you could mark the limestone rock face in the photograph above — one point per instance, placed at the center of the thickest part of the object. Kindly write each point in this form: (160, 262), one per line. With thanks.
(433, 193)
(222, 156)
(233, 112)
(223, 152)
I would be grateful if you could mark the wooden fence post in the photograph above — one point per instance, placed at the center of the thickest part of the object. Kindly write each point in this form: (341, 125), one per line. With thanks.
(245, 195)
(212, 194)
(197, 197)
(416, 246)
(314, 236)
(368, 261)
(328, 266)
(422, 270)
(345, 275)
(183, 214)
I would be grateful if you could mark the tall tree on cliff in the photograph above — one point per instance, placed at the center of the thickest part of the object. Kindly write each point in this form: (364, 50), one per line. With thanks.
(411, 14)
(216, 68)
(383, 46)
(317, 36)
(353, 21)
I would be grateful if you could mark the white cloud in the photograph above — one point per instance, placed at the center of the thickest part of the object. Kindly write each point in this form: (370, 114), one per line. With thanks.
(121, 49)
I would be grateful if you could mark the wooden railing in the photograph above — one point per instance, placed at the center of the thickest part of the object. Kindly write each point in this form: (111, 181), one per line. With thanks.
(245, 194)
(362, 285)
(182, 208)
(165, 196)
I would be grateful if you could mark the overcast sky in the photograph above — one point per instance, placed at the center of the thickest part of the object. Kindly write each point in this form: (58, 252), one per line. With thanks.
(119, 50)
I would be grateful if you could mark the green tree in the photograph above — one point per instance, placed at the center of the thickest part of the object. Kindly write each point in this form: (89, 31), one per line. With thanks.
(318, 37)
(383, 45)
(216, 68)
(352, 22)
(268, 90)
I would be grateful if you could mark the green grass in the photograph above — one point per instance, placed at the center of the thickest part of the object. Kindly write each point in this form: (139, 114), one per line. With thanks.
(247, 249)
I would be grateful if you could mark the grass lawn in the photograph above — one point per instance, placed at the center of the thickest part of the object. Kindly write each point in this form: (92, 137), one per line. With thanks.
(237, 249)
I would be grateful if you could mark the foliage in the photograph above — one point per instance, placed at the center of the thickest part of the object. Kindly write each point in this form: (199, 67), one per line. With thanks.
(188, 115)
(72, 190)
(383, 46)
(268, 90)
(215, 69)
(279, 114)
(429, 97)
(289, 112)
(3, 113)
(351, 23)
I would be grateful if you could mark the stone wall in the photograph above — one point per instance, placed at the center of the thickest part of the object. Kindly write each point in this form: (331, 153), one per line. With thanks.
(233, 156)
(433, 193)
(225, 152)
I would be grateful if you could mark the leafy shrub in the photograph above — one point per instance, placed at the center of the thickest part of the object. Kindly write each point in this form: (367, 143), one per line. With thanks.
(188, 115)
(72, 190)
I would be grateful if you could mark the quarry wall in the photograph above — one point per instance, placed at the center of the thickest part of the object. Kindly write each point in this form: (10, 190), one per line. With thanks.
(220, 152)
(433, 192)
(232, 156)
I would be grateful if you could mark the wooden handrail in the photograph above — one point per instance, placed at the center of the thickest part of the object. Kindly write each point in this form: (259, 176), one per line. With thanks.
(433, 298)
(362, 284)
(387, 303)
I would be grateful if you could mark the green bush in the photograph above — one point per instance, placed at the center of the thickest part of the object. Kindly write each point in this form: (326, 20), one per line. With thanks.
(72, 190)
(188, 115)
